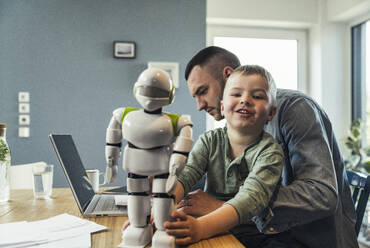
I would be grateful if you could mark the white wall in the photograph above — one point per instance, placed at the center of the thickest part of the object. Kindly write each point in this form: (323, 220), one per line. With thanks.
(284, 11)
(345, 10)
(328, 25)
(334, 87)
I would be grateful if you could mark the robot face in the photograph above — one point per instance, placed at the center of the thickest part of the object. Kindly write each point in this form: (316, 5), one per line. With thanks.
(154, 89)
(150, 91)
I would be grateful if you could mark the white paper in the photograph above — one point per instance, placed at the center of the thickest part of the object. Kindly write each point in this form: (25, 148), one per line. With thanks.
(59, 231)
(82, 241)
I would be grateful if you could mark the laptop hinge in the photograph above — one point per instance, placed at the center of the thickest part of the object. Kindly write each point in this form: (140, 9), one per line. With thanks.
(90, 206)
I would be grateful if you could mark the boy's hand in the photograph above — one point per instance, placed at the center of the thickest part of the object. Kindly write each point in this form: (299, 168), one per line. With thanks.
(198, 203)
(125, 225)
(186, 229)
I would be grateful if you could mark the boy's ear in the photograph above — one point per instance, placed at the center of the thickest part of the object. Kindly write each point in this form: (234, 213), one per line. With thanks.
(272, 113)
(227, 72)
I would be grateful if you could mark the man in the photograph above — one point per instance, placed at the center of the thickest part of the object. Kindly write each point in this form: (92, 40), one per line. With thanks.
(314, 206)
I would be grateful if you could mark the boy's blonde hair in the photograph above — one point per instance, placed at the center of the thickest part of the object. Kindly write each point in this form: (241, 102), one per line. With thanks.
(259, 70)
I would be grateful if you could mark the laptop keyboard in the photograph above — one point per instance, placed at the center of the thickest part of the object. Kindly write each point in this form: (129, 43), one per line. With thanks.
(106, 203)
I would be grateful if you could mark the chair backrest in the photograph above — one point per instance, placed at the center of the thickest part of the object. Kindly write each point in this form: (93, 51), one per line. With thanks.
(360, 194)
(21, 176)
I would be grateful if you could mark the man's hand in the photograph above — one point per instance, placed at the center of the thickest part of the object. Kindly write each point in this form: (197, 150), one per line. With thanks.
(186, 229)
(198, 203)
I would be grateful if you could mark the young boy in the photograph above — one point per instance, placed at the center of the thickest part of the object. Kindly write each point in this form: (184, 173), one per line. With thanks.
(243, 163)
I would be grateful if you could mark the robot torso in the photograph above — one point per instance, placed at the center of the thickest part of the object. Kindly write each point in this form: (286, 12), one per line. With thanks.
(152, 136)
(147, 131)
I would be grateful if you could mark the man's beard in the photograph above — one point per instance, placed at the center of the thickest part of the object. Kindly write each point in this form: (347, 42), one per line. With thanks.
(218, 116)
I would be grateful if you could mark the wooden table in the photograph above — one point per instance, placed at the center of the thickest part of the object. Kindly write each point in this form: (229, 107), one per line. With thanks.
(23, 206)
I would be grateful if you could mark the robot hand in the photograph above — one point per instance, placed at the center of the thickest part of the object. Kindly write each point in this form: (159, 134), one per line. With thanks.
(110, 173)
(177, 163)
(171, 184)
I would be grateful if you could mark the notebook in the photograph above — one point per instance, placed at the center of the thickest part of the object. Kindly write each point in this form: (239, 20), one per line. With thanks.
(89, 203)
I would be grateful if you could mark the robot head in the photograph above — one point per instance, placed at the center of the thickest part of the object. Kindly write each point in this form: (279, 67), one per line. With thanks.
(154, 89)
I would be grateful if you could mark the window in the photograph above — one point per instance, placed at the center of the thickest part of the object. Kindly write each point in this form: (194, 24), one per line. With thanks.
(361, 76)
(367, 71)
(278, 56)
(282, 52)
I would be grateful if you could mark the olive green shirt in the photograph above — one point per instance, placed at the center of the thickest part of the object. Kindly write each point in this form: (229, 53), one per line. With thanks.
(247, 183)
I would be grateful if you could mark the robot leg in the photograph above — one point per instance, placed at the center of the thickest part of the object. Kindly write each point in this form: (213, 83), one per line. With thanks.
(140, 231)
(163, 205)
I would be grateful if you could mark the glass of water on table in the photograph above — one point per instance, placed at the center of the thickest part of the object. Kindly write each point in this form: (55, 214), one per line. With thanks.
(42, 180)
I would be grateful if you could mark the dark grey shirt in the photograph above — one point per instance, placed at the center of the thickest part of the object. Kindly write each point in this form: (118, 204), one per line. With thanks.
(315, 201)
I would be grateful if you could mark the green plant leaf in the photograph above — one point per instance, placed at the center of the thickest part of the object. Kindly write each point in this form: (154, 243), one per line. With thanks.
(349, 139)
(366, 166)
(353, 160)
(350, 145)
(356, 132)
(353, 143)
(356, 123)
(367, 151)
(4, 150)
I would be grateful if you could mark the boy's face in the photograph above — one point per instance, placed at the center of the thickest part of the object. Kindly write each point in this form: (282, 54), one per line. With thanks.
(206, 90)
(246, 102)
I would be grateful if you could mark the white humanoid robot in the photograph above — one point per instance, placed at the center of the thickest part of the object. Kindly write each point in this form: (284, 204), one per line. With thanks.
(158, 145)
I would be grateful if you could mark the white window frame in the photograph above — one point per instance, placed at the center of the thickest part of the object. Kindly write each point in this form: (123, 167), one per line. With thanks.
(216, 30)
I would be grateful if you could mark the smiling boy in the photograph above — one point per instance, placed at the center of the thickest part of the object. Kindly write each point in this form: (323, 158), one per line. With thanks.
(243, 163)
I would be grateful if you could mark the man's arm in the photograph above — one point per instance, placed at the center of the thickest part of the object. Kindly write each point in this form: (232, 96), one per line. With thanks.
(198, 203)
(188, 230)
(310, 191)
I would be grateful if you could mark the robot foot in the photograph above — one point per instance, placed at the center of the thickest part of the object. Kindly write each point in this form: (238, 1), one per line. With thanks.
(136, 236)
(162, 240)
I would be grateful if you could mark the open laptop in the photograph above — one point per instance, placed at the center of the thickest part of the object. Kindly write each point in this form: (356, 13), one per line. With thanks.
(89, 203)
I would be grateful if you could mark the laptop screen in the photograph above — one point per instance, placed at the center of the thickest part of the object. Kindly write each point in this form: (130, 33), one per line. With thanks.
(73, 169)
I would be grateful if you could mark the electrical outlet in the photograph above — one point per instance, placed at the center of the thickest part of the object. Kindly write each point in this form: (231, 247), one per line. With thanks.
(24, 108)
(23, 96)
(24, 119)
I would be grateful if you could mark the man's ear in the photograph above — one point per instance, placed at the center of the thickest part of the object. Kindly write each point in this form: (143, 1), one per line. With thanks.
(272, 113)
(226, 72)
(222, 108)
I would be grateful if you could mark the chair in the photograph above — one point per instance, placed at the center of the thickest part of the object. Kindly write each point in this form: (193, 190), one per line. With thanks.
(360, 195)
(20, 176)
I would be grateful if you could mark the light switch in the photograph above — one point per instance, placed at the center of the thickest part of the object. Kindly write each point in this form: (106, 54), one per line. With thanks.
(24, 108)
(24, 119)
(23, 96)
(24, 132)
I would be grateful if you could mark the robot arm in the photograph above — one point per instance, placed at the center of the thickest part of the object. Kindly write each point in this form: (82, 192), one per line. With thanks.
(113, 146)
(182, 147)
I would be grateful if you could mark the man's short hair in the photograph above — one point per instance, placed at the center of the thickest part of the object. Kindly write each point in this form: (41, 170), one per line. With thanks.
(214, 59)
(259, 70)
